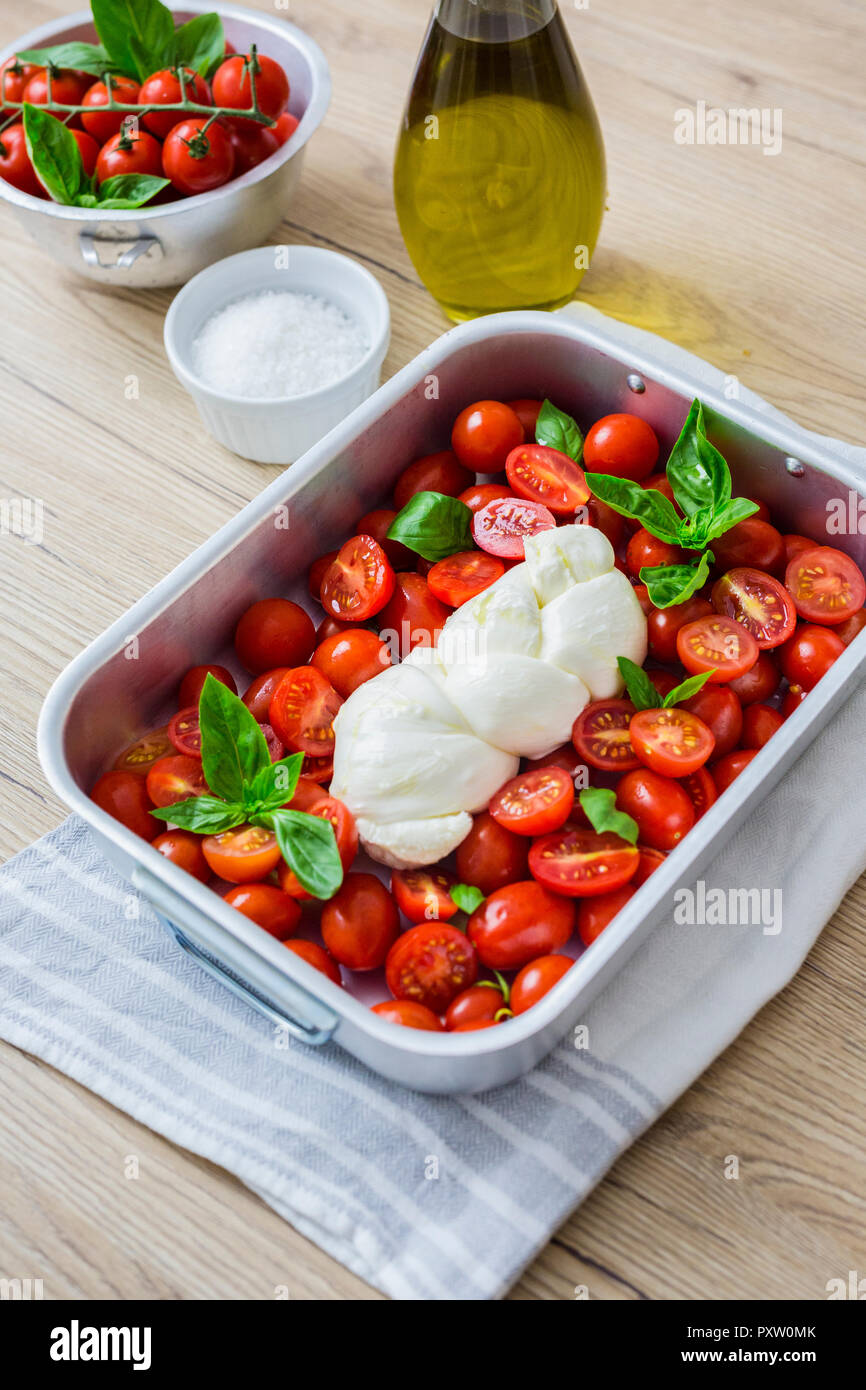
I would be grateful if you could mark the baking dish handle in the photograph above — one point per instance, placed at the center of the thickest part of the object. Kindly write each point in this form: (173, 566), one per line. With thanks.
(310, 1021)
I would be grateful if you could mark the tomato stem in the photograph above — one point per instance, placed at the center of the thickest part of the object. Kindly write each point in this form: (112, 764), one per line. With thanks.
(192, 108)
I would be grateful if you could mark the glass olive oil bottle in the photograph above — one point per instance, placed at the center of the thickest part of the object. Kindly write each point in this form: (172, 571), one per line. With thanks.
(499, 178)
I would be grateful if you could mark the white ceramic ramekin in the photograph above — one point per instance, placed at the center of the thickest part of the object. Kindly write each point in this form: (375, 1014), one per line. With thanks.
(279, 430)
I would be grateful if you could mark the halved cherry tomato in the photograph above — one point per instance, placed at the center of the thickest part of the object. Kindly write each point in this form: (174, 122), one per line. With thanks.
(662, 808)
(582, 863)
(302, 711)
(424, 895)
(547, 476)
(809, 654)
(260, 693)
(721, 711)
(360, 923)
(350, 658)
(484, 435)
(671, 741)
(124, 796)
(491, 857)
(622, 445)
(601, 735)
(480, 494)
(536, 979)
(594, 914)
(193, 681)
(267, 906)
(431, 964)
(440, 472)
(701, 789)
(244, 855)
(316, 956)
(534, 803)
(727, 769)
(274, 632)
(758, 602)
(719, 645)
(460, 577)
(345, 833)
(409, 1015)
(319, 770)
(752, 543)
(519, 923)
(174, 779)
(141, 756)
(184, 732)
(851, 628)
(760, 722)
(414, 617)
(318, 569)
(377, 524)
(663, 624)
(478, 1004)
(183, 848)
(650, 859)
(501, 527)
(359, 582)
(646, 549)
(527, 412)
(759, 682)
(825, 584)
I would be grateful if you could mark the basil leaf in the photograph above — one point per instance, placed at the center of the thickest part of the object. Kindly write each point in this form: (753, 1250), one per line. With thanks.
(309, 846)
(206, 815)
(84, 57)
(559, 431)
(668, 585)
(646, 505)
(200, 44)
(467, 896)
(54, 155)
(641, 690)
(599, 803)
(733, 512)
(275, 784)
(137, 34)
(233, 746)
(129, 190)
(687, 688)
(433, 525)
(698, 474)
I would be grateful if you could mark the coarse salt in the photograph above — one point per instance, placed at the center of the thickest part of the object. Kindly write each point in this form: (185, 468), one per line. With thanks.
(277, 344)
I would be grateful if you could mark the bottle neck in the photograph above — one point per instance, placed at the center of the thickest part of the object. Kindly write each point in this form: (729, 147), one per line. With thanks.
(494, 21)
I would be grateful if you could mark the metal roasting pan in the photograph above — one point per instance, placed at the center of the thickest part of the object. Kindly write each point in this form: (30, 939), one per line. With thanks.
(116, 690)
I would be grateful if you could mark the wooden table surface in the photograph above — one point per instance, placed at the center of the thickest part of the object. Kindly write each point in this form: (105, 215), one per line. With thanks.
(753, 261)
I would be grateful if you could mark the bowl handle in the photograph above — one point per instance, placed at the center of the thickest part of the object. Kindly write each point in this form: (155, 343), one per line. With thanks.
(90, 245)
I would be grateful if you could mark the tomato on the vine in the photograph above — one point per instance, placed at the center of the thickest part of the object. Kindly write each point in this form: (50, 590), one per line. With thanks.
(198, 156)
(129, 153)
(102, 125)
(236, 78)
(15, 165)
(66, 87)
(163, 89)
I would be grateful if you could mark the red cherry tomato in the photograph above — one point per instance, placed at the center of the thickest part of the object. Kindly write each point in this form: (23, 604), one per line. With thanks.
(431, 964)
(102, 125)
(235, 80)
(198, 158)
(350, 658)
(662, 808)
(478, 1004)
(267, 906)
(252, 147)
(316, 956)
(501, 527)
(15, 166)
(650, 859)
(141, 755)
(622, 445)
(519, 923)
(66, 87)
(809, 655)
(566, 757)
(547, 476)
(663, 624)
(124, 796)
(174, 779)
(307, 795)
(594, 914)
(424, 895)
(193, 682)
(129, 153)
(442, 472)
(261, 691)
(758, 602)
(719, 645)
(484, 435)
(360, 581)
(718, 707)
(851, 628)
(536, 979)
(527, 412)
(480, 494)
(285, 128)
(88, 149)
(377, 524)
(413, 617)
(163, 89)
(645, 549)
(491, 857)
(660, 482)
(581, 863)
(534, 803)
(303, 709)
(274, 632)
(727, 769)
(409, 1015)
(601, 735)
(759, 682)
(794, 698)
(345, 833)
(760, 722)
(795, 545)
(360, 923)
(664, 682)
(183, 848)
(184, 732)
(672, 741)
(14, 76)
(604, 519)
(825, 584)
(318, 569)
(751, 543)
(319, 770)
(244, 855)
(460, 577)
(701, 789)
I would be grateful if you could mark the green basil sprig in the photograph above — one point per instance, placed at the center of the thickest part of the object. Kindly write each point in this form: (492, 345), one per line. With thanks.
(467, 896)
(248, 789)
(701, 484)
(433, 525)
(643, 693)
(559, 431)
(55, 156)
(138, 38)
(599, 803)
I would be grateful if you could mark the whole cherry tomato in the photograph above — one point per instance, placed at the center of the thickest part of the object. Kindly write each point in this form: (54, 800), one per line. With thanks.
(198, 157)
(163, 89)
(730, 767)
(442, 472)
(491, 857)
(721, 711)
(345, 833)
(377, 524)
(183, 848)
(621, 445)
(102, 125)
(480, 494)
(66, 87)
(129, 153)
(316, 956)
(409, 1014)
(274, 632)
(124, 796)
(661, 807)
(809, 654)
(267, 906)
(518, 923)
(235, 80)
(413, 616)
(193, 682)
(15, 166)
(536, 979)
(663, 624)
(478, 1004)
(484, 435)
(751, 542)
(14, 76)
(645, 549)
(527, 412)
(759, 682)
(851, 628)
(760, 722)
(350, 658)
(594, 914)
(360, 923)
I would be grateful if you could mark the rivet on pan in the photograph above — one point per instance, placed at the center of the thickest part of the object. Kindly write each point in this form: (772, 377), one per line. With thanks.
(795, 468)
(635, 383)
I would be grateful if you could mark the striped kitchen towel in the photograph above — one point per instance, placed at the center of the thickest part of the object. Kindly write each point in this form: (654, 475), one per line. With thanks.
(425, 1197)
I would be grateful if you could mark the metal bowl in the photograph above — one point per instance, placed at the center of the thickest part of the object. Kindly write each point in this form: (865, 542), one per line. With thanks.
(167, 245)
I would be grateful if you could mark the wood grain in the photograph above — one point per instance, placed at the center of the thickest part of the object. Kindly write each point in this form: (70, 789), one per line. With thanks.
(752, 261)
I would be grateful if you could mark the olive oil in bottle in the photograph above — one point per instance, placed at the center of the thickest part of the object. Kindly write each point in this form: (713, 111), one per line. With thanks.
(499, 177)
